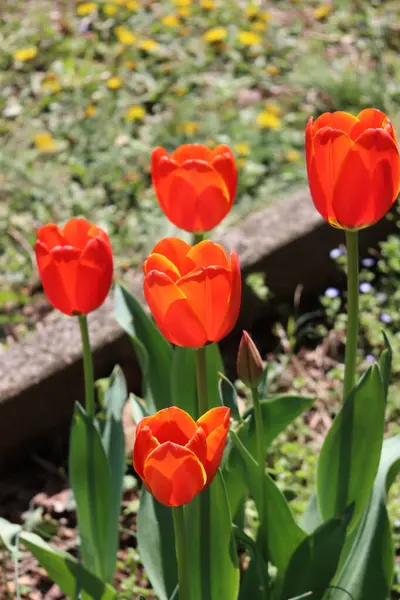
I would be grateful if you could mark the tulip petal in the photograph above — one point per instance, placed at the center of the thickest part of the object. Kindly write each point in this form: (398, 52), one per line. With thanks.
(224, 163)
(76, 231)
(213, 418)
(369, 118)
(176, 250)
(207, 254)
(162, 165)
(369, 180)
(215, 423)
(94, 275)
(233, 308)
(165, 301)
(309, 144)
(58, 270)
(158, 262)
(174, 474)
(192, 151)
(198, 445)
(171, 424)
(207, 290)
(213, 204)
(145, 442)
(51, 236)
(343, 121)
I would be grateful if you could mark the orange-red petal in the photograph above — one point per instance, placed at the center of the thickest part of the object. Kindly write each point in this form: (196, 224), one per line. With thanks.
(145, 442)
(191, 151)
(171, 424)
(340, 120)
(208, 253)
(216, 425)
(174, 474)
(75, 232)
(369, 118)
(51, 236)
(94, 276)
(176, 250)
(224, 162)
(235, 297)
(58, 273)
(159, 262)
(198, 444)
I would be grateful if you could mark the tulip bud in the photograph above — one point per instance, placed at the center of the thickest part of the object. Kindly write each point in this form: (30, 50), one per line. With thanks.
(249, 364)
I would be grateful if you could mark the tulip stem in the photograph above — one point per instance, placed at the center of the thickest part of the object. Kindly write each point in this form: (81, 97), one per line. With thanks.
(352, 313)
(181, 552)
(262, 509)
(87, 367)
(201, 378)
(198, 236)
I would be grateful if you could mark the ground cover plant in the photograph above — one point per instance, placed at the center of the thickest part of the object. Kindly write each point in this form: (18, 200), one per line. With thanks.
(89, 88)
(198, 452)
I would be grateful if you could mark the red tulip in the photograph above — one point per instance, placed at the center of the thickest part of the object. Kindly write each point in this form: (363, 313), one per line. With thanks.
(75, 265)
(193, 292)
(195, 186)
(353, 167)
(177, 457)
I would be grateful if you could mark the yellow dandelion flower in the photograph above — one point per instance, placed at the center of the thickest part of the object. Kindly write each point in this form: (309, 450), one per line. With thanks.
(45, 143)
(90, 110)
(86, 8)
(180, 90)
(293, 156)
(252, 11)
(135, 113)
(322, 11)
(190, 128)
(259, 25)
(207, 4)
(268, 120)
(181, 3)
(243, 149)
(249, 38)
(217, 34)
(184, 12)
(51, 85)
(131, 65)
(114, 83)
(170, 21)
(25, 54)
(125, 36)
(148, 45)
(273, 70)
(265, 16)
(110, 9)
(273, 108)
(132, 4)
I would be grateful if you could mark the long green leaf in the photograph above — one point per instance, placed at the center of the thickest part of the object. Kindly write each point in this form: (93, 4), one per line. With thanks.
(350, 455)
(315, 561)
(153, 351)
(90, 479)
(214, 365)
(66, 572)
(155, 532)
(183, 380)
(113, 439)
(367, 571)
(255, 581)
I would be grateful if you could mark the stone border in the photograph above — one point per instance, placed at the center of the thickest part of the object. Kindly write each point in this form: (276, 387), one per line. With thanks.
(41, 376)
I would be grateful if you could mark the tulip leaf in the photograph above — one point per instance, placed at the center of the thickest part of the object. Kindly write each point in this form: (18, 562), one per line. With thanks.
(138, 407)
(385, 364)
(90, 479)
(228, 396)
(315, 560)
(254, 584)
(350, 455)
(155, 532)
(153, 351)
(214, 365)
(113, 439)
(367, 569)
(66, 572)
(183, 380)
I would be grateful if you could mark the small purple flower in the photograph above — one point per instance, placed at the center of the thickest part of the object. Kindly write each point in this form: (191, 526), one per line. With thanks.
(385, 318)
(370, 358)
(331, 292)
(365, 287)
(335, 253)
(368, 262)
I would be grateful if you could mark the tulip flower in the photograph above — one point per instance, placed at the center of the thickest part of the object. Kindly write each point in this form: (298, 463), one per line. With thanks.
(353, 167)
(177, 457)
(195, 186)
(193, 292)
(75, 265)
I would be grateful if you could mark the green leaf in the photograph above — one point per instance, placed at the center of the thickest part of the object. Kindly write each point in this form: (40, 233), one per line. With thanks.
(138, 407)
(153, 351)
(277, 516)
(367, 571)
(90, 479)
(183, 380)
(9, 534)
(113, 439)
(315, 560)
(385, 364)
(66, 572)
(254, 584)
(351, 451)
(228, 396)
(214, 366)
(155, 532)
(212, 548)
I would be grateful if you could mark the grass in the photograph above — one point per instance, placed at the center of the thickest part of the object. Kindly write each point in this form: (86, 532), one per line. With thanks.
(88, 89)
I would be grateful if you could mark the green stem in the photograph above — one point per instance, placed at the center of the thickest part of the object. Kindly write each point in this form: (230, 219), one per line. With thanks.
(198, 236)
(261, 465)
(87, 366)
(182, 555)
(201, 378)
(352, 313)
